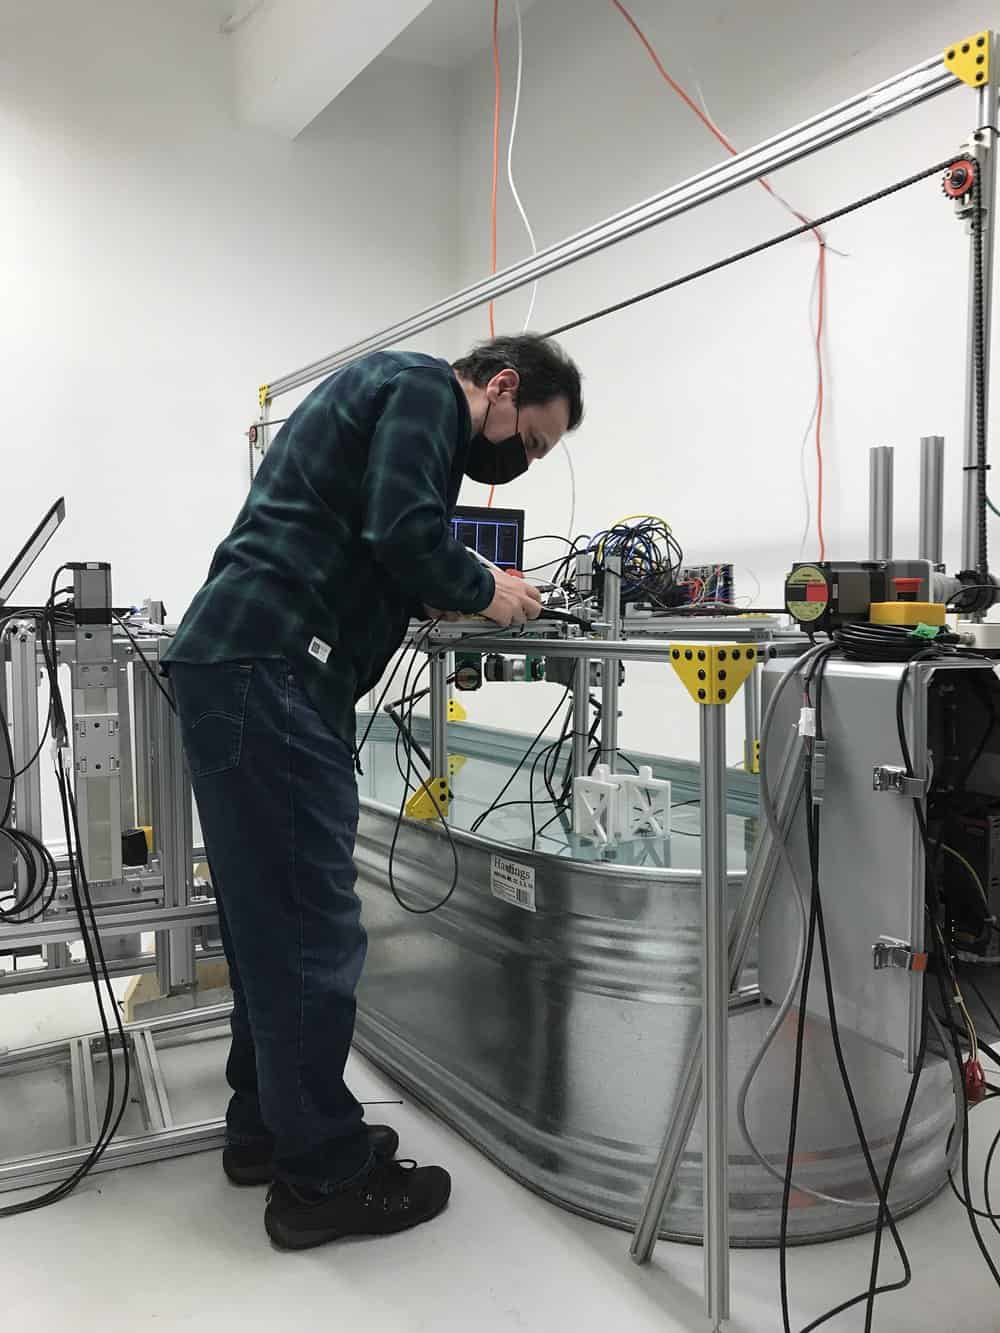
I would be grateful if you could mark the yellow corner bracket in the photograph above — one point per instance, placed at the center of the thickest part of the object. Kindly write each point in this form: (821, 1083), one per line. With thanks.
(969, 59)
(456, 762)
(430, 801)
(712, 673)
(456, 712)
(263, 394)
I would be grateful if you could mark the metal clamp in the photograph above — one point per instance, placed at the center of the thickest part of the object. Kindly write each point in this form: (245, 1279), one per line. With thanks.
(897, 953)
(885, 777)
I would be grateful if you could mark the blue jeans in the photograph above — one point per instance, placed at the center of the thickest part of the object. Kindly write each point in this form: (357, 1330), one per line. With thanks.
(278, 801)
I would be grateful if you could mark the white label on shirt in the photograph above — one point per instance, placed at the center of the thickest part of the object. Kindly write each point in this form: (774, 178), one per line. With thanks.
(513, 883)
(319, 649)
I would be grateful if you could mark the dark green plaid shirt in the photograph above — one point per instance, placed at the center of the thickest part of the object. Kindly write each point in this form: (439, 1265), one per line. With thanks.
(345, 534)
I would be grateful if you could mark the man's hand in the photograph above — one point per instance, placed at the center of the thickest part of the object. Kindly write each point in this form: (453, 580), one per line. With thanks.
(514, 601)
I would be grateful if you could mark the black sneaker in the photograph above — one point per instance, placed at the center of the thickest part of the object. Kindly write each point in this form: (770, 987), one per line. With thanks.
(392, 1197)
(255, 1165)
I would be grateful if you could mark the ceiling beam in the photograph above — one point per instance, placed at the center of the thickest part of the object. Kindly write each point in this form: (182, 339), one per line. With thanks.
(293, 57)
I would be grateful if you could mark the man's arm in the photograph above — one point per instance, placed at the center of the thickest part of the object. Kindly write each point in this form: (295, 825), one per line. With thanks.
(405, 493)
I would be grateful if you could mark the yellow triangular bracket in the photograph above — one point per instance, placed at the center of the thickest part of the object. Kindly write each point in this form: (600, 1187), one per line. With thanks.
(456, 762)
(456, 713)
(263, 394)
(969, 59)
(712, 673)
(430, 801)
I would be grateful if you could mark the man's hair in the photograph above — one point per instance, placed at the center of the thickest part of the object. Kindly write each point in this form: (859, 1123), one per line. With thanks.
(546, 371)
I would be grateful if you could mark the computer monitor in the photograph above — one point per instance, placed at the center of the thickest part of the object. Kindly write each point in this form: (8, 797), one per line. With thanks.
(30, 551)
(497, 534)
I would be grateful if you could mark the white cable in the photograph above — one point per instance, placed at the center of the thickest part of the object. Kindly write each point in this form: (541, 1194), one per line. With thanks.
(510, 158)
(528, 228)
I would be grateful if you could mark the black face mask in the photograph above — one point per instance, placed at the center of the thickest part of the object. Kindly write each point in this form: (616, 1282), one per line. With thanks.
(496, 463)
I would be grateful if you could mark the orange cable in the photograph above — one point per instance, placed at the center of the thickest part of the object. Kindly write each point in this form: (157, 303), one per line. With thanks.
(764, 184)
(496, 170)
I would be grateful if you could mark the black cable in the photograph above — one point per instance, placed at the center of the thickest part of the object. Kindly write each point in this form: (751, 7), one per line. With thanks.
(752, 250)
(147, 664)
(817, 927)
(524, 759)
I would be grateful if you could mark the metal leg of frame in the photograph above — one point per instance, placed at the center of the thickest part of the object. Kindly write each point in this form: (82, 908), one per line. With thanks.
(751, 704)
(581, 717)
(439, 715)
(987, 221)
(612, 604)
(787, 793)
(173, 838)
(715, 1011)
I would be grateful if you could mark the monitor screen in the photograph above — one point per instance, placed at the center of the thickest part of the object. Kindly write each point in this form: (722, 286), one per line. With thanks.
(497, 534)
(30, 551)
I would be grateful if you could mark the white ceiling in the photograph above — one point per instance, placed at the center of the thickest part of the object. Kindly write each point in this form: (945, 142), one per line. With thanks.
(450, 32)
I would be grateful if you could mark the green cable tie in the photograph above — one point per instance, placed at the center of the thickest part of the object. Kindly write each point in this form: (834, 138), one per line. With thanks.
(925, 631)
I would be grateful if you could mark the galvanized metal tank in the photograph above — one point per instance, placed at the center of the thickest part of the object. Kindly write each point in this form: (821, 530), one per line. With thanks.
(554, 1039)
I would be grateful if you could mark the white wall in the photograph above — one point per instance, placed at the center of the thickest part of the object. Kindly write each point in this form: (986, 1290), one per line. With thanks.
(161, 260)
(697, 401)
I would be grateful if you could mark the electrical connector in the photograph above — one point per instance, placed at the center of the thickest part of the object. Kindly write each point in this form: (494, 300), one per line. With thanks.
(807, 723)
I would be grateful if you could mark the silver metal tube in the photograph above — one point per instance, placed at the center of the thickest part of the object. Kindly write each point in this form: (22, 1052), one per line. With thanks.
(581, 717)
(172, 830)
(438, 699)
(931, 542)
(880, 503)
(987, 198)
(612, 611)
(751, 706)
(715, 1011)
(908, 89)
(625, 650)
(745, 921)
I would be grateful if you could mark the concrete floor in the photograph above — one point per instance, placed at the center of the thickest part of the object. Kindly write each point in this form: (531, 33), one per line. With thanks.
(172, 1245)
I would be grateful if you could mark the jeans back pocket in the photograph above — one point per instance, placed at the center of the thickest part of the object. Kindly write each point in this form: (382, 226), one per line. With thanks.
(212, 701)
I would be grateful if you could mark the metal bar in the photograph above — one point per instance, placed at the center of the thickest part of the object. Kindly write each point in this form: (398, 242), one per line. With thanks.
(987, 113)
(751, 713)
(715, 1011)
(79, 1091)
(626, 650)
(150, 918)
(880, 503)
(909, 89)
(581, 717)
(612, 610)
(438, 700)
(141, 686)
(931, 542)
(49, 1168)
(89, 1091)
(158, 1080)
(154, 1116)
(126, 767)
(744, 925)
(173, 835)
(42, 978)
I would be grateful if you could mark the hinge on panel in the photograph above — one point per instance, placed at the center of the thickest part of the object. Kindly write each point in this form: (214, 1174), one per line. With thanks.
(885, 777)
(897, 953)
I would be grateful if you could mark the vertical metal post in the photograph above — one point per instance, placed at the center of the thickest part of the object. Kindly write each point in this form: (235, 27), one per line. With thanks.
(175, 961)
(439, 715)
(880, 503)
(715, 1005)
(24, 715)
(581, 717)
(612, 611)
(931, 542)
(985, 149)
(787, 794)
(144, 784)
(751, 704)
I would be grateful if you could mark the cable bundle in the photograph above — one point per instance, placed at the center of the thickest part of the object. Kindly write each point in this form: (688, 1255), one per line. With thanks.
(864, 642)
